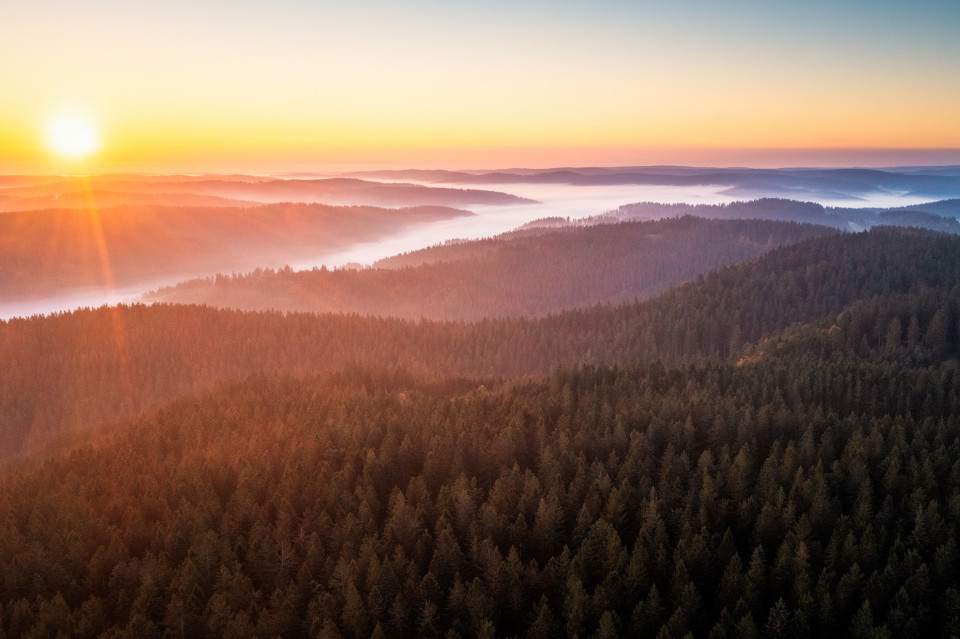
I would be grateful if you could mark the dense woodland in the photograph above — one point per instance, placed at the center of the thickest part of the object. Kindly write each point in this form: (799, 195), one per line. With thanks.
(730, 237)
(807, 496)
(514, 275)
(73, 369)
(770, 450)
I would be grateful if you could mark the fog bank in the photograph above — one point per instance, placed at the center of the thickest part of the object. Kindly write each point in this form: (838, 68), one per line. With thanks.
(554, 200)
(574, 202)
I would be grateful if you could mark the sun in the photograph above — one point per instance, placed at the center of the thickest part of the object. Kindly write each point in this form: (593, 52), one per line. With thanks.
(72, 136)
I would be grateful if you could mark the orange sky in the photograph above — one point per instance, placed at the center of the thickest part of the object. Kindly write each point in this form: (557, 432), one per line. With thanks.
(292, 85)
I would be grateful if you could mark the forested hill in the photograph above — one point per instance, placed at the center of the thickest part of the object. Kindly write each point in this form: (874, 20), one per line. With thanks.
(514, 275)
(796, 476)
(644, 234)
(722, 501)
(82, 368)
(99, 198)
(339, 191)
(935, 216)
(59, 250)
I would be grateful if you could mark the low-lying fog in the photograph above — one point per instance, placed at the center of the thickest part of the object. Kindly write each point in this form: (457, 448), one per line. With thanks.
(563, 201)
(86, 298)
(574, 202)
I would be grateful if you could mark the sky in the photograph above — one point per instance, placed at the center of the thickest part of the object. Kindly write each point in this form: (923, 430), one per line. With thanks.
(251, 85)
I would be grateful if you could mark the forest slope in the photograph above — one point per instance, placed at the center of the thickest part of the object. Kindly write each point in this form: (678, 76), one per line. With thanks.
(100, 198)
(719, 500)
(515, 275)
(82, 368)
(935, 216)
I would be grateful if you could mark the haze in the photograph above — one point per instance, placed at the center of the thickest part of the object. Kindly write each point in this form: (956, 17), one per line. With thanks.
(291, 85)
(138, 243)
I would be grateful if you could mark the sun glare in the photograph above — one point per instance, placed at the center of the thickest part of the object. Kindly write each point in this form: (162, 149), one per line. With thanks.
(72, 136)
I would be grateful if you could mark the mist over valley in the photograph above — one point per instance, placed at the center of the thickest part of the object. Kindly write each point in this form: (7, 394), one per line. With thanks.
(175, 228)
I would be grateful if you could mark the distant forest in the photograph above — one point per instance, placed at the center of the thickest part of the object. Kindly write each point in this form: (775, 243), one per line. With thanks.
(935, 216)
(58, 250)
(334, 191)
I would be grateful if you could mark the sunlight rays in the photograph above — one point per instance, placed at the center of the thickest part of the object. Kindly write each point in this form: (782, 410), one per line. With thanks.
(101, 247)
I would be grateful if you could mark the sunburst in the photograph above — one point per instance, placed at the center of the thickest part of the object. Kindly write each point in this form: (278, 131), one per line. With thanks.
(72, 136)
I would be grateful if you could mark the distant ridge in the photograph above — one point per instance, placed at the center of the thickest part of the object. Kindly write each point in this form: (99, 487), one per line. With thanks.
(336, 190)
(846, 218)
(57, 251)
(938, 182)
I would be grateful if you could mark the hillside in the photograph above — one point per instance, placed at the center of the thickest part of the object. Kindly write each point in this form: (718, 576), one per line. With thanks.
(99, 198)
(787, 467)
(513, 275)
(342, 191)
(948, 208)
(53, 251)
(921, 216)
(718, 500)
(84, 368)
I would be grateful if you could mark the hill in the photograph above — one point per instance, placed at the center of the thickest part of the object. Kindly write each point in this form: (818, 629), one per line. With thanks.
(79, 369)
(513, 275)
(99, 198)
(716, 500)
(53, 251)
(921, 216)
(789, 467)
(947, 208)
(342, 191)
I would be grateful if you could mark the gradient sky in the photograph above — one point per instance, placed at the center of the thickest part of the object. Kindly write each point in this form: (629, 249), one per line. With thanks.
(298, 84)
